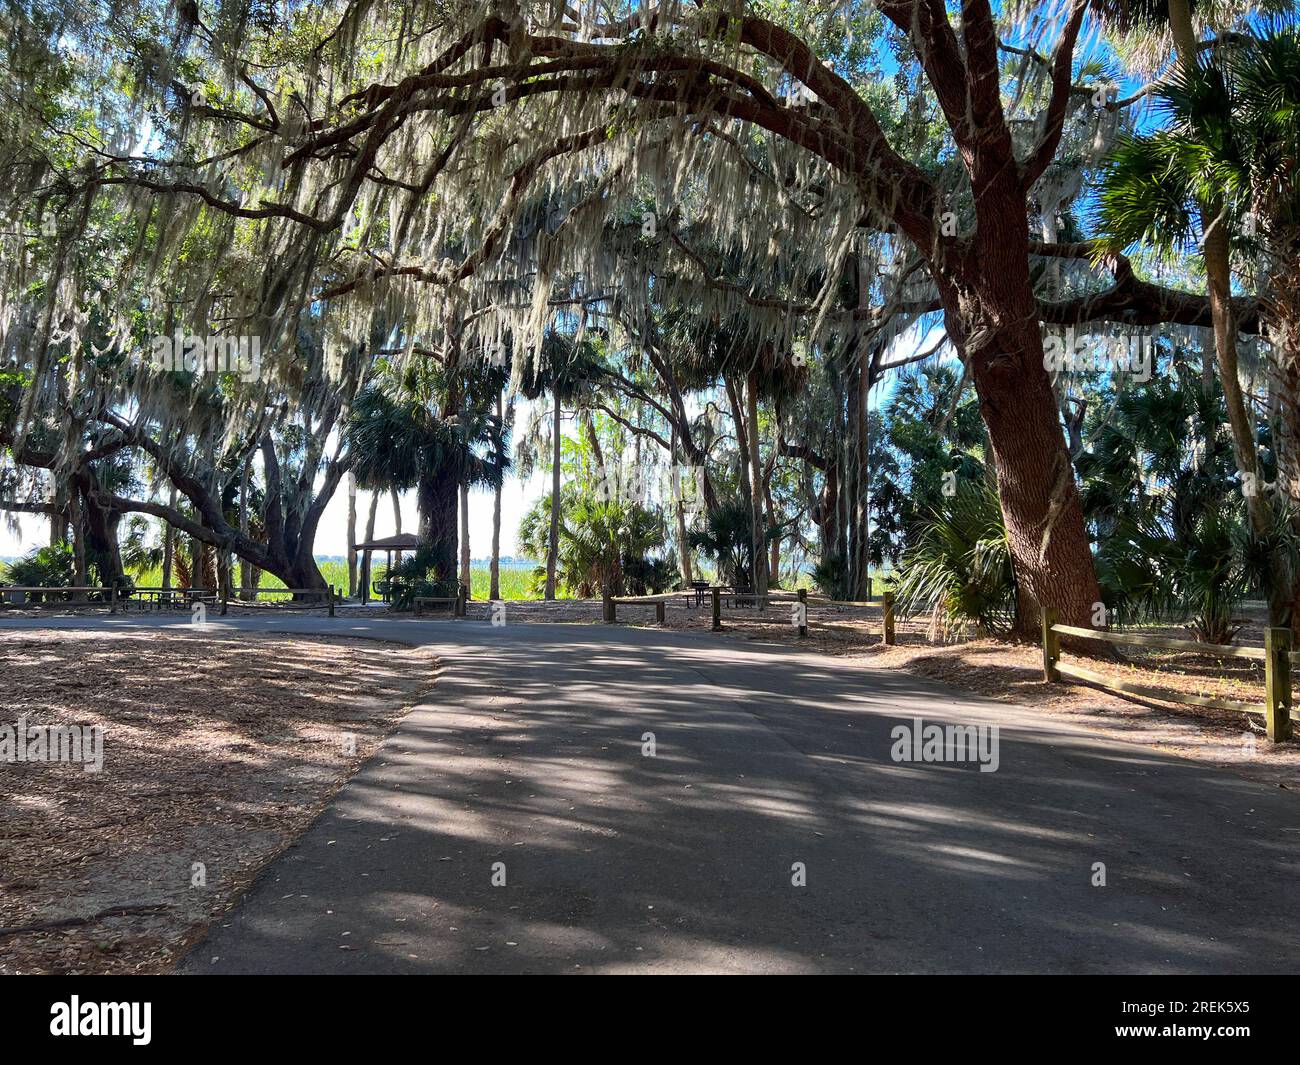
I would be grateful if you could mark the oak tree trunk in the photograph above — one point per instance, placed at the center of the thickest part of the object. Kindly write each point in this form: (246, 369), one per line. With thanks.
(437, 492)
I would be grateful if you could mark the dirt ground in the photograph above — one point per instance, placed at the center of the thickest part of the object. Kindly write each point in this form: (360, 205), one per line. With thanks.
(218, 749)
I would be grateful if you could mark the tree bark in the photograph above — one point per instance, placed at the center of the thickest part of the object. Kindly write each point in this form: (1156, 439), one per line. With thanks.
(169, 544)
(756, 485)
(679, 511)
(1036, 487)
(494, 573)
(99, 523)
(352, 534)
(553, 537)
(365, 555)
(245, 567)
(437, 497)
(465, 573)
(1216, 254)
(78, 543)
(1283, 331)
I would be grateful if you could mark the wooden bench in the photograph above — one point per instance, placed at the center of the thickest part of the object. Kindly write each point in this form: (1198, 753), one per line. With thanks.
(158, 598)
(420, 601)
(610, 607)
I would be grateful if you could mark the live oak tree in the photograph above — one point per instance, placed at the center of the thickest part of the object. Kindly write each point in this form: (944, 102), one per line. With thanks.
(351, 168)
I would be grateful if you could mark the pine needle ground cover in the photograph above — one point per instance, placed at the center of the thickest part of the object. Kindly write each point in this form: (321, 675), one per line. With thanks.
(218, 751)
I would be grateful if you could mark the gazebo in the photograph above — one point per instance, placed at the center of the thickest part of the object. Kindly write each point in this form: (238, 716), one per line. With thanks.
(394, 545)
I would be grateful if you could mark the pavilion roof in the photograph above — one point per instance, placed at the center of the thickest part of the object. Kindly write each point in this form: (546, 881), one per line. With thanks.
(400, 542)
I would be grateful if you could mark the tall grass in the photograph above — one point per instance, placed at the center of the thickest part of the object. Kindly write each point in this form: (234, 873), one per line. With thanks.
(514, 580)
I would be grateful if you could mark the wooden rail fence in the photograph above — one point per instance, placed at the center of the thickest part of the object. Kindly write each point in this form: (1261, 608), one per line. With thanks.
(1276, 654)
(108, 596)
(611, 604)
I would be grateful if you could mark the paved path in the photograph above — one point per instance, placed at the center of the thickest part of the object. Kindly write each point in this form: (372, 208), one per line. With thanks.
(531, 756)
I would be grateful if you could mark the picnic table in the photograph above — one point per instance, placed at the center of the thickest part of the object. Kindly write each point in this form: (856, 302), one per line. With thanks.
(701, 590)
(158, 598)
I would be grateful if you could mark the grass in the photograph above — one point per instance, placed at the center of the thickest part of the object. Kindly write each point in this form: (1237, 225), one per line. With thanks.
(514, 580)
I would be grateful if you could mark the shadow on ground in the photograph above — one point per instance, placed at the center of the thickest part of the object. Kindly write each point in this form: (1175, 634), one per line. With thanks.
(532, 756)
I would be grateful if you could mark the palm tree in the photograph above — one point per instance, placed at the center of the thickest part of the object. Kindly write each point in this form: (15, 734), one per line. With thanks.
(1232, 133)
(1171, 21)
(752, 369)
(566, 369)
(605, 544)
(960, 567)
(1173, 538)
(403, 440)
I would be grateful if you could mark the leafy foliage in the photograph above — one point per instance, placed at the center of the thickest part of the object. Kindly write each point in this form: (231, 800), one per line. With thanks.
(46, 567)
(605, 546)
(959, 569)
(727, 539)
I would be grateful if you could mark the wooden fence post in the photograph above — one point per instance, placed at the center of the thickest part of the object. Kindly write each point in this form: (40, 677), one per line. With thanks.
(113, 599)
(608, 606)
(803, 612)
(659, 612)
(889, 618)
(717, 609)
(868, 587)
(225, 602)
(331, 594)
(1051, 645)
(1277, 683)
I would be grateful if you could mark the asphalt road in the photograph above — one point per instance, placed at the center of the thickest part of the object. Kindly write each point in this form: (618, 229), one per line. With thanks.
(529, 766)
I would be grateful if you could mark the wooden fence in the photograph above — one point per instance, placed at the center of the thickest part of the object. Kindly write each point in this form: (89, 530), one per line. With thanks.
(107, 596)
(1276, 654)
(759, 602)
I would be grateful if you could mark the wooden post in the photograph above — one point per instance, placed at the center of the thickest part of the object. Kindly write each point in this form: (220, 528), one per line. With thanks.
(225, 602)
(331, 593)
(717, 609)
(112, 598)
(1277, 683)
(659, 612)
(889, 618)
(608, 606)
(1051, 645)
(868, 587)
(803, 612)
